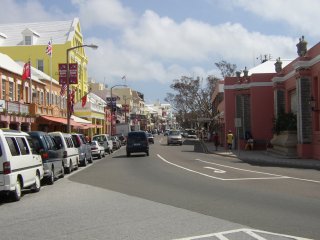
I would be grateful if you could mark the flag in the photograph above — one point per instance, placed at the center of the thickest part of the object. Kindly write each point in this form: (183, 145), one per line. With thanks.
(26, 71)
(84, 100)
(49, 49)
(63, 89)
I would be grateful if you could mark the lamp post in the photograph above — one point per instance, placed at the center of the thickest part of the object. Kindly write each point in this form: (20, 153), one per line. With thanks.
(68, 87)
(118, 85)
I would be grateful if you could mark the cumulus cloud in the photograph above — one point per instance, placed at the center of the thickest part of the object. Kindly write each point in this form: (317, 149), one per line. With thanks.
(111, 13)
(28, 11)
(300, 15)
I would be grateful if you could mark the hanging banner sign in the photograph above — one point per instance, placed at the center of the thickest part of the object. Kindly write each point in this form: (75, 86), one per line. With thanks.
(73, 73)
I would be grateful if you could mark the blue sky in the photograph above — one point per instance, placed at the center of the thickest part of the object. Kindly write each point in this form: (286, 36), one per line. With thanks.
(152, 42)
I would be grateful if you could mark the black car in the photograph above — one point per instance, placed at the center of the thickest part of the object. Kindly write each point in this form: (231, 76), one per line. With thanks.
(137, 142)
(150, 137)
(52, 157)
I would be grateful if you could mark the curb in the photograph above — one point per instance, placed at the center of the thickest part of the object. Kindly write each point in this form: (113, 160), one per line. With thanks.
(273, 161)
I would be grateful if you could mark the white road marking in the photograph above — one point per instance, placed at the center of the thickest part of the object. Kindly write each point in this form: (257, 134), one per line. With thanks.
(240, 169)
(222, 179)
(216, 170)
(250, 232)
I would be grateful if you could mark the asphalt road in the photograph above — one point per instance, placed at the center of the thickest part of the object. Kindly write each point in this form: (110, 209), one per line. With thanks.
(174, 193)
(274, 199)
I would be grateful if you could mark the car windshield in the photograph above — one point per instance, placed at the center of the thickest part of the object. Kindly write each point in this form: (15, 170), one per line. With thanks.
(174, 133)
(191, 132)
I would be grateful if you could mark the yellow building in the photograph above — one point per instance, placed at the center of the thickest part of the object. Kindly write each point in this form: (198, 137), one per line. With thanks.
(24, 41)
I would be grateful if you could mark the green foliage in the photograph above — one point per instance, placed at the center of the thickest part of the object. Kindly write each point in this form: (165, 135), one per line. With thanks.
(285, 122)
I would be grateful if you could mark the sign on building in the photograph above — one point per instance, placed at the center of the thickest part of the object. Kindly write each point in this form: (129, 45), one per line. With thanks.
(73, 73)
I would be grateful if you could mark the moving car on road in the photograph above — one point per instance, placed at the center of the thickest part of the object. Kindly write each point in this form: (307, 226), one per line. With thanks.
(174, 137)
(137, 142)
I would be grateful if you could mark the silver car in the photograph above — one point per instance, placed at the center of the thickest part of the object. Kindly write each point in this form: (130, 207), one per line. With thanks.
(174, 137)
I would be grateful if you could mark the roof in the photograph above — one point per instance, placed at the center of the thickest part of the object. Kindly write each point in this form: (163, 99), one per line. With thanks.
(9, 64)
(267, 67)
(39, 74)
(59, 31)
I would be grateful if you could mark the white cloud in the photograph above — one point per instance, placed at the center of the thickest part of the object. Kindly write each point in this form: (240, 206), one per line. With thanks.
(109, 13)
(300, 15)
(28, 11)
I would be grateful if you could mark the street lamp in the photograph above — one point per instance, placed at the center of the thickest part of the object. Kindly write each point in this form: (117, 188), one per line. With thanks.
(118, 85)
(68, 87)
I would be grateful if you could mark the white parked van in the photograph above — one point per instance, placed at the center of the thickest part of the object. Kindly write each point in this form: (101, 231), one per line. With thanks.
(70, 152)
(20, 167)
(105, 141)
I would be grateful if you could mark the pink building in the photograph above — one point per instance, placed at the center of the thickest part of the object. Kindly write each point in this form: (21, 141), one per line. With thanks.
(297, 90)
(249, 104)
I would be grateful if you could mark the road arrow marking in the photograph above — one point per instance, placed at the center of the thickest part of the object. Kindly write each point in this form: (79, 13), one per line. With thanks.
(215, 170)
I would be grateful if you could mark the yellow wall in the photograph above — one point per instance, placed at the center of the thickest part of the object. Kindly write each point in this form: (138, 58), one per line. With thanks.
(35, 52)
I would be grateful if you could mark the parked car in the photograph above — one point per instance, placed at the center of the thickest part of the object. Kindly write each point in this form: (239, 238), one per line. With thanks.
(150, 137)
(137, 142)
(122, 139)
(105, 140)
(116, 142)
(70, 152)
(174, 137)
(84, 148)
(192, 133)
(97, 149)
(52, 157)
(20, 166)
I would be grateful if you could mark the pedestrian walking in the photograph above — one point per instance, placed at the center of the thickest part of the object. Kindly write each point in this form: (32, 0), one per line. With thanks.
(216, 140)
(229, 139)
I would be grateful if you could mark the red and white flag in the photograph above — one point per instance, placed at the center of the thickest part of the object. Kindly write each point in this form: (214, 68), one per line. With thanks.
(84, 100)
(49, 48)
(26, 71)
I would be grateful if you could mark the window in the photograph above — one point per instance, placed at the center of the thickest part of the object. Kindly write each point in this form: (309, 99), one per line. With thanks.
(69, 142)
(40, 65)
(24, 149)
(33, 146)
(27, 40)
(58, 141)
(13, 146)
(41, 98)
(19, 92)
(3, 89)
(11, 91)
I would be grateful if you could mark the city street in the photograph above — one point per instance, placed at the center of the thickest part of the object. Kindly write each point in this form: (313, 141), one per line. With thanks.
(175, 193)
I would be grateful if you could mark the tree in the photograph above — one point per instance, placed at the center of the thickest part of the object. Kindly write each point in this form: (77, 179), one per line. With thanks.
(226, 69)
(192, 100)
(193, 97)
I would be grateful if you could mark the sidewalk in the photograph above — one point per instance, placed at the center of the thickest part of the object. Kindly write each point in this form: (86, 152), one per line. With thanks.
(262, 157)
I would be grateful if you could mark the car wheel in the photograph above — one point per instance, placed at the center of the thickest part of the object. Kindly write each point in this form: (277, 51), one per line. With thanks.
(62, 172)
(69, 169)
(77, 165)
(128, 154)
(147, 153)
(51, 177)
(91, 159)
(100, 155)
(16, 193)
(37, 185)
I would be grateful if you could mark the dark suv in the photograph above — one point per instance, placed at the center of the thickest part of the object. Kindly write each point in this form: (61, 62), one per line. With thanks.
(137, 142)
(52, 156)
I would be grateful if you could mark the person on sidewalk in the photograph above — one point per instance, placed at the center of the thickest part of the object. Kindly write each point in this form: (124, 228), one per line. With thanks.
(229, 139)
(216, 140)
